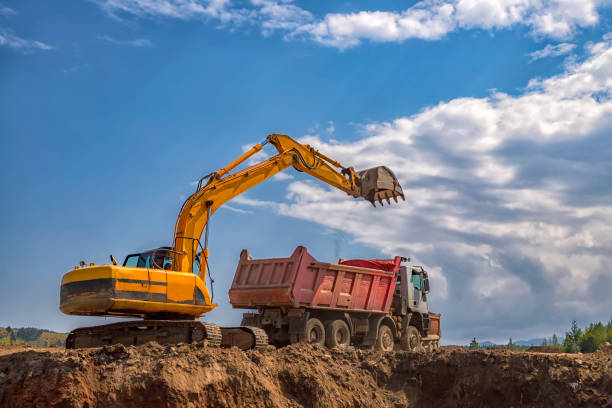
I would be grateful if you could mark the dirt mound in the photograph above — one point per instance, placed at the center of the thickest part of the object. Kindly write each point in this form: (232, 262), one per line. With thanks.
(299, 376)
(545, 349)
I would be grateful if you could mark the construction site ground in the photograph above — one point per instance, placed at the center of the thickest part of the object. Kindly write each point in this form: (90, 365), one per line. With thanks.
(200, 375)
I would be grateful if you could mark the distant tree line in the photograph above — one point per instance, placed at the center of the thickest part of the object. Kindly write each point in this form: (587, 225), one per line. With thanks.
(593, 338)
(474, 345)
(31, 335)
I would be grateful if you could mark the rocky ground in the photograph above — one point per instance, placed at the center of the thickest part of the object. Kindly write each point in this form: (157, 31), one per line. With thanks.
(302, 375)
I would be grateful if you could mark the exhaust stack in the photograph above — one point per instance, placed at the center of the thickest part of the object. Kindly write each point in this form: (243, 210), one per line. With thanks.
(378, 184)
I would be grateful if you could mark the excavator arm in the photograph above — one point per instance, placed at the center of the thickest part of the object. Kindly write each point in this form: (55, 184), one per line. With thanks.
(375, 184)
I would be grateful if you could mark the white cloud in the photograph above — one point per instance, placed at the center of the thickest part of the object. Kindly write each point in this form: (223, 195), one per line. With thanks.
(181, 9)
(331, 128)
(282, 15)
(433, 19)
(236, 210)
(282, 177)
(424, 20)
(11, 40)
(242, 199)
(71, 70)
(508, 200)
(427, 20)
(552, 51)
(138, 42)
(7, 11)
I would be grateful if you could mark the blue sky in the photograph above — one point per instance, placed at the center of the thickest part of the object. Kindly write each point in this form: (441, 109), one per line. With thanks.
(495, 115)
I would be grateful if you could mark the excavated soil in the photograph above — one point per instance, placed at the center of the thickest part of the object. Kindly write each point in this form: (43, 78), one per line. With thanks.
(302, 375)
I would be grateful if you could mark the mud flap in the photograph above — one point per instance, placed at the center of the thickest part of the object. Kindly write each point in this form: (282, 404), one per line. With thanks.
(297, 326)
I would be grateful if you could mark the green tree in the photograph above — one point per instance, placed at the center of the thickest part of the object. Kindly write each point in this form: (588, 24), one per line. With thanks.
(544, 342)
(593, 338)
(29, 334)
(474, 345)
(12, 337)
(588, 343)
(571, 343)
(554, 341)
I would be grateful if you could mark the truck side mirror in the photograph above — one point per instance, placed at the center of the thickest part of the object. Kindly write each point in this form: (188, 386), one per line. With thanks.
(426, 285)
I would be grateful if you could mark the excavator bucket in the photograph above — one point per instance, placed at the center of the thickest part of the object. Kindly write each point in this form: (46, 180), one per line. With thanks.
(378, 184)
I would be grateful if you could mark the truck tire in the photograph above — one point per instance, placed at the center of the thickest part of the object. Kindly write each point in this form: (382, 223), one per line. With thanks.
(337, 334)
(314, 331)
(385, 340)
(411, 339)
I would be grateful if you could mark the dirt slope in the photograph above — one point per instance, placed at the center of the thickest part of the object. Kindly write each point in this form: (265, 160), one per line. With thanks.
(299, 376)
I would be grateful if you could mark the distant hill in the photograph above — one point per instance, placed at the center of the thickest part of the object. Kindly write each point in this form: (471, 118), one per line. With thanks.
(524, 343)
(532, 342)
(31, 335)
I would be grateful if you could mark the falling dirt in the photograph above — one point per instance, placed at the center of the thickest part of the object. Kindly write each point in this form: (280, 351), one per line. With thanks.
(301, 375)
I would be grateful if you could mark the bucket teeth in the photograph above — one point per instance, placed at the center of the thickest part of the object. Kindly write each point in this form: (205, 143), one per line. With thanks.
(378, 184)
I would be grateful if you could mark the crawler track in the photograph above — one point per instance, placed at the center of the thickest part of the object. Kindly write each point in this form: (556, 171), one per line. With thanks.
(139, 332)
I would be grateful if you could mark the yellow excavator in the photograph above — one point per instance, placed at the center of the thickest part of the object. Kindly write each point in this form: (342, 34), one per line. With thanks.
(165, 287)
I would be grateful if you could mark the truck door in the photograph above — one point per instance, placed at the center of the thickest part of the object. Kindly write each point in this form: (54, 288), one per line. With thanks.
(417, 285)
(400, 295)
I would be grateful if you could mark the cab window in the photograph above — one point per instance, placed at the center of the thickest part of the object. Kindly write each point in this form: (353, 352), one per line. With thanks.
(416, 282)
(196, 266)
(137, 261)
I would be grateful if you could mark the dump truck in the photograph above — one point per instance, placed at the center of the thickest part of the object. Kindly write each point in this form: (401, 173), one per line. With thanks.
(380, 303)
(164, 288)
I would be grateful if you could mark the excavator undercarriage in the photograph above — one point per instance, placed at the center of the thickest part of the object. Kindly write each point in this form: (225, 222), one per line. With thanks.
(138, 332)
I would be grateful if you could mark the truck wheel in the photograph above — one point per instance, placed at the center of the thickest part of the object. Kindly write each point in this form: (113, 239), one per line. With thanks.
(384, 341)
(337, 334)
(411, 339)
(315, 332)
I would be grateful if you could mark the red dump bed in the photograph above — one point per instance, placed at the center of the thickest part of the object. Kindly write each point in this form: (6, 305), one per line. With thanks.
(300, 281)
